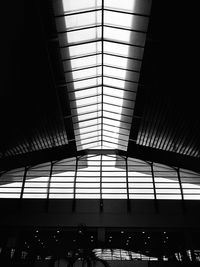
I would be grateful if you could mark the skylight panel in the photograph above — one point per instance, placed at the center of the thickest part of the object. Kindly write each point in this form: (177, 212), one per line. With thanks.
(86, 73)
(125, 20)
(121, 62)
(86, 83)
(113, 92)
(117, 34)
(88, 92)
(83, 49)
(102, 44)
(77, 5)
(88, 101)
(86, 62)
(82, 35)
(83, 20)
(125, 5)
(89, 109)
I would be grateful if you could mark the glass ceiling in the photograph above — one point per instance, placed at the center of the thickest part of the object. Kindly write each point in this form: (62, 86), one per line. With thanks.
(102, 44)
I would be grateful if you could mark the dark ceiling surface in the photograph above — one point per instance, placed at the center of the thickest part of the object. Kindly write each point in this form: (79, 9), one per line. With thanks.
(34, 109)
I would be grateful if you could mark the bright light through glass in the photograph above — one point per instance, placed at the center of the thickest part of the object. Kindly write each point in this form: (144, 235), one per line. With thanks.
(90, 31)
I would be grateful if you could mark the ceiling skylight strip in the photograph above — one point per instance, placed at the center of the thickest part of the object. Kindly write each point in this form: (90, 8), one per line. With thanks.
(102, 44)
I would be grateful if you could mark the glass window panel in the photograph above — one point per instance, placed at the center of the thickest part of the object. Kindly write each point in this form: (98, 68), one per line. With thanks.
(88, 135)
(110, 100)
(87, 116)
(88, 129)
(116, 109)
(85, 83)
(126, 20)
(111, 122)
(123, 50)
(112, 115)
(127, 5)
(113, 185)
(113, 72)
(89, 122)
(119, 35)
(122, 62)
(86, 61)
(80, 36)
(88, 101)
(115, 129)
(87, 196)
(88, 92)
(77, 5)
(139, 196)
(114, 190)
(118, 19)
(82, 50)
(116, 83)
(114, 196)
(124, 36)
(135, 6)
(83, 19)
(92, 108)
(80, 185)
(86, 73)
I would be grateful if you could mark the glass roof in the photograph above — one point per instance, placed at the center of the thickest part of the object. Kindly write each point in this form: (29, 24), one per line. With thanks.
(102, 44)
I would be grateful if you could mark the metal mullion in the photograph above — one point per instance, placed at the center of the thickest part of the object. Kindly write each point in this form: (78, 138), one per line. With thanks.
(113, 143)
(78, 12)
(120, 106)
(113, 112)
(127, 57)
(84, 79)
(89, 143)
(118, 88)
(119, 68)
(121, 98)
(85, 142)
(115, 138)
(122, 113)
(84, 88)
(126, 12)
(82, 98)
(99, 118)
(79, 135)
(117, 120)
(75, 178)
(101, 171)
(96, 118)
(98, 124)
(124, 80)
(81, 56)
(79, 28)
(123, 28)
(123, 43)
(84, 68)
(23, 182)
(154, 186)
(118, 113)
(102, 73)
(88, 105)
(80, 43)
(99, 140)
(49, 181)
(119, 133)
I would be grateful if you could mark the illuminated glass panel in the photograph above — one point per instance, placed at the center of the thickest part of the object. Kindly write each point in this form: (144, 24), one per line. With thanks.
(102, 46)
(100, 176)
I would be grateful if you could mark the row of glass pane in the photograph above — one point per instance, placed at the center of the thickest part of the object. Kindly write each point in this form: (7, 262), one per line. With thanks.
(102, 44)
(100, 176)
